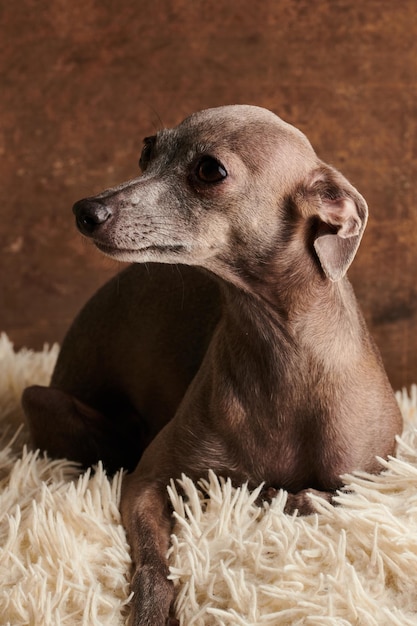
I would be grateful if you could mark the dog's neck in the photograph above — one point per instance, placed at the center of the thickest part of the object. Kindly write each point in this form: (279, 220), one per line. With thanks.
(260, 375)
(265, 355)
(275, 333)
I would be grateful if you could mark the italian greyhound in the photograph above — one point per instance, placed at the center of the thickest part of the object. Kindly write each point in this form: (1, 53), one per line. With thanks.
(233, 343)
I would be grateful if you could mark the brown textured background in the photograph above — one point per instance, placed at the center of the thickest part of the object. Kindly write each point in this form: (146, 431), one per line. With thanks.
(83, 81)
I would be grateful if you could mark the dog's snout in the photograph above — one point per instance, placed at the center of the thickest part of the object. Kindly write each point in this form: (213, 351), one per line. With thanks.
(90, 215)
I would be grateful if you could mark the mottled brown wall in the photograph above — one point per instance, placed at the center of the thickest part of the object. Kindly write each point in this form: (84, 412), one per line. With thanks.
(83, 81)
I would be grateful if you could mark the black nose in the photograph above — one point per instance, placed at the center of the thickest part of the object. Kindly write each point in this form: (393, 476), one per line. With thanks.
(90, 215)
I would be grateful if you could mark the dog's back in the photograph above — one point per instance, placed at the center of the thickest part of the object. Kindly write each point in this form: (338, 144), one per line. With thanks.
(130, 355)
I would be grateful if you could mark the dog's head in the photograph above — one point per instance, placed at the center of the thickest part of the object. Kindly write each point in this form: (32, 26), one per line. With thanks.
(230, 189)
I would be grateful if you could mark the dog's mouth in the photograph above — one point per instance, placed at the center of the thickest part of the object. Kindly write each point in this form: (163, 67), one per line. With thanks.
(116, 252)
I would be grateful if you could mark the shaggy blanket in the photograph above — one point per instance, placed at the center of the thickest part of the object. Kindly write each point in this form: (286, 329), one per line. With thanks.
(64, 557)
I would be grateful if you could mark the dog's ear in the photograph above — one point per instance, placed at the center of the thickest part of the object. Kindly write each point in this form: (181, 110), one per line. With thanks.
(340, 218)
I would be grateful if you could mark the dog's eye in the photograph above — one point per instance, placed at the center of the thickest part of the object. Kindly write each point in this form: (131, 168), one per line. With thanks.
(146, 154)
(210, 170)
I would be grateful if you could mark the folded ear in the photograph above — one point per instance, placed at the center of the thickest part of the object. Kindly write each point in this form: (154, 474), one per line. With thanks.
(341, 215)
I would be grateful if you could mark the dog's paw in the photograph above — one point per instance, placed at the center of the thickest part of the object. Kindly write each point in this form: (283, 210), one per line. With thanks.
(303, 504)
(152, 599)
(267, 494)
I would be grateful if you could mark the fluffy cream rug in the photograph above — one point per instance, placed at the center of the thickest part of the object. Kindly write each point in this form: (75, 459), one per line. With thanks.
(64, 557)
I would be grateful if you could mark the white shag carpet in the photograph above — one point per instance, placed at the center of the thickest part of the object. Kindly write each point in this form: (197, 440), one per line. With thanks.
(64, 557)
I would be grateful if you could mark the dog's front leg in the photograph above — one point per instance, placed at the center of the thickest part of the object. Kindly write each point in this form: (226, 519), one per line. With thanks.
(147, 519)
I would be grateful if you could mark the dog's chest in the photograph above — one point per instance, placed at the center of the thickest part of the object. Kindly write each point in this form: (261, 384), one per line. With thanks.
(293, 454)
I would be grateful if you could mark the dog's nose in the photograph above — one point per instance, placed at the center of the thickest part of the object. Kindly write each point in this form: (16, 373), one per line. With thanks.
(90, 215)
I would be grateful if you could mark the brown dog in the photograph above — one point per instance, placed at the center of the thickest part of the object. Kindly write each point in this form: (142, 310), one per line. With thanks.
(257, 351)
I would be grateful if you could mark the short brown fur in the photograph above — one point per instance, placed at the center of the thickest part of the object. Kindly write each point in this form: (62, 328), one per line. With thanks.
(239, 346)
